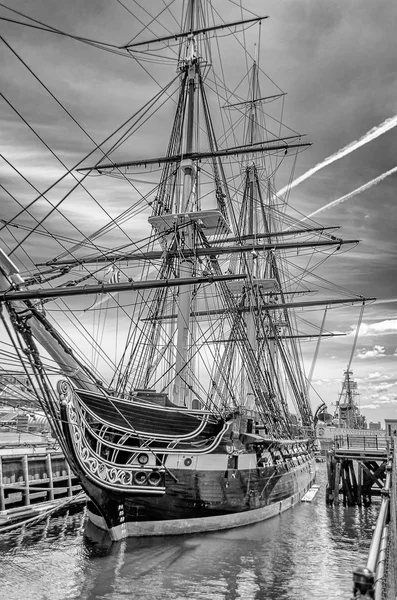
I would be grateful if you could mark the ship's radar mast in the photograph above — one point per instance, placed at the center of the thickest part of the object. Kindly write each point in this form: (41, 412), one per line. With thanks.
(347, 411)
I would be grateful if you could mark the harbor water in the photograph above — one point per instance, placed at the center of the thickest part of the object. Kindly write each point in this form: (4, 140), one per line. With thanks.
(306, 553)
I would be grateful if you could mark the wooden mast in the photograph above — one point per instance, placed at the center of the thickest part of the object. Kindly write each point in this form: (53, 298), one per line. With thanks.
(181, 394)
(251, 226)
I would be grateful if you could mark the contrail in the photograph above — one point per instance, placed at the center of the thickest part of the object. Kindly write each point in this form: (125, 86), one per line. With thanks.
(364, 187)
(372, 134)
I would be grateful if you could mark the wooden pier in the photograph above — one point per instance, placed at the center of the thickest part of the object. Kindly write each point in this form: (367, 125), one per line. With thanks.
(356, 469)
(31, 474)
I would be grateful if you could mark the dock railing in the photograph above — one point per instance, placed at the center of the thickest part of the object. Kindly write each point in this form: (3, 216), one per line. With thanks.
(363, 442)
(377, 580)
(390, 580)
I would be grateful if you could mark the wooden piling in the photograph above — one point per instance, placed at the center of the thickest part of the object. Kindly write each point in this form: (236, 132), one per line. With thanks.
(329, 497)
(49, 474)
(25, 469)
(336, 484)
(347, 486)
(359, 483)
(354, 482)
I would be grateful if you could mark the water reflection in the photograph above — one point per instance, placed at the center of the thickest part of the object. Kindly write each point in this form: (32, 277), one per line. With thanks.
(308, 552)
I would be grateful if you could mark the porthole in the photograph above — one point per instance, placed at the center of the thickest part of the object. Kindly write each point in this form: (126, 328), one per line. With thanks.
(154, 478)
(140, 478)
(143, 458)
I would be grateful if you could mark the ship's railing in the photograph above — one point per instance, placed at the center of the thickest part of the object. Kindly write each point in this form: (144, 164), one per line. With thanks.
(364, 442)
(377, 579)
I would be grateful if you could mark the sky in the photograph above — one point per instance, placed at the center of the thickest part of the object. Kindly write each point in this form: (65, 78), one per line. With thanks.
(337, 63)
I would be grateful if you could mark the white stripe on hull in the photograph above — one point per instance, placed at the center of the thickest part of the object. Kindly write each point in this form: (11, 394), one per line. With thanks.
(202, 524)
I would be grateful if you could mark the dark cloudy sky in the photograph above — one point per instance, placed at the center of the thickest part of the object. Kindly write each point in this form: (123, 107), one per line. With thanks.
(337, 62)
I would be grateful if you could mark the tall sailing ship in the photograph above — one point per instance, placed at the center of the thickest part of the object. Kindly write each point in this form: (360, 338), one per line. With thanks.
(191, 413)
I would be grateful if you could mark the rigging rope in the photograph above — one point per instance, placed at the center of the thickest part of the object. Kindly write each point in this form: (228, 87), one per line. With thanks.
(310, 376)
(360, 318)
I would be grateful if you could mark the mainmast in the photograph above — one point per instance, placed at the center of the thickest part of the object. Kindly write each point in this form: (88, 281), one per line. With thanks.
(251, 227)
(186, 202)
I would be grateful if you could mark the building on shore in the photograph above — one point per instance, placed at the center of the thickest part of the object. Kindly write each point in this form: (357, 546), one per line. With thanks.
(374, 426)
(391, 427)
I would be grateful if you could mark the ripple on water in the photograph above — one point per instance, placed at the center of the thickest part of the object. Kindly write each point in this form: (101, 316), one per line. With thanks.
(308, 552)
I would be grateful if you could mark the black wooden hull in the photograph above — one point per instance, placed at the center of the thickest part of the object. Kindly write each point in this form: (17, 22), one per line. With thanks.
(200, 501)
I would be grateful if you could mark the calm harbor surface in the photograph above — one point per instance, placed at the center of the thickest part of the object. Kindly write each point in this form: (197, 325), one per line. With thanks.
(306, 553)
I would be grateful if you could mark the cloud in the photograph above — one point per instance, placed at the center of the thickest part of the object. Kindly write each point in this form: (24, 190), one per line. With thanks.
(376, 352)
(369, 406)
(322, 381)
(382, 386)
(386, 327)
(376, 398)
(386, 400)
